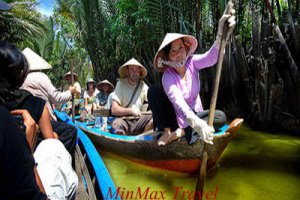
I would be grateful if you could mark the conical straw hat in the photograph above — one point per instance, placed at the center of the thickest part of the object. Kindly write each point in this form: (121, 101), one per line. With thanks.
(122, 70)
(35, 62)
(188, 40)
(100, 84)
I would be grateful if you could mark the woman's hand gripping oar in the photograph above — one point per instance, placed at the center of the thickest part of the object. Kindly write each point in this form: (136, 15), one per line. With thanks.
(227, 24)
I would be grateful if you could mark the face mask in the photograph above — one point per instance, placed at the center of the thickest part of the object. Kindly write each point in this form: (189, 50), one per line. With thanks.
(173, 64)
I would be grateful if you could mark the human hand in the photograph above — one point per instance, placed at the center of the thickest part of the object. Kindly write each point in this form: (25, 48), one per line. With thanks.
(28, 120)
(227, 19)
(55, 135)
(29, 124)
(88, 109)
(135, 112)
(205, 131)
(74, 90)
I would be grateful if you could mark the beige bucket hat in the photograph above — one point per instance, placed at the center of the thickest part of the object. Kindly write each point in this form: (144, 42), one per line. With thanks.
(69, 74)
(122, 70)
(35, 62)
(90, 80)
(189, 41)
(100, 85)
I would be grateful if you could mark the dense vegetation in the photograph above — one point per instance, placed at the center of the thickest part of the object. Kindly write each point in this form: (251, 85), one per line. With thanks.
(260, 78)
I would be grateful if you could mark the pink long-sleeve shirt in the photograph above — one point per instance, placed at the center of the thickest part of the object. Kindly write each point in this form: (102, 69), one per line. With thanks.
(184, 95)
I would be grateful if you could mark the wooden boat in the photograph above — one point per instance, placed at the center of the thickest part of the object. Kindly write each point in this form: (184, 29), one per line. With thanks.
(94, 180)
(177, 156)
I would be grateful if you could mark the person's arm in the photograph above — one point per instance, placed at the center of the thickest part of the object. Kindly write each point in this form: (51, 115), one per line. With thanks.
(86, 105)
(120, 111)
(145, 92)
(45, 125)
(97, 102)
(117, 108)
(38, 180)
(77, 85)
(182, 109)
(54, 95)
(31, 133)
(94, 107)
(85, 102)
(30, 137)
(208, 59)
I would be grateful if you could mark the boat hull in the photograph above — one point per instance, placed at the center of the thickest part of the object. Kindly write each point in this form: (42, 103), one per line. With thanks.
(177, 156)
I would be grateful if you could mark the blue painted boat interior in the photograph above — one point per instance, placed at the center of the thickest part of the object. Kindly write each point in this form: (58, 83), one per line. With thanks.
(105, 181)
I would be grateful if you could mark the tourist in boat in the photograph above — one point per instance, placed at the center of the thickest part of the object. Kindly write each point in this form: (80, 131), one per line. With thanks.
(68, 78)
(22, 99)
(105, 88)
(129, 97)
(50, 155)
(89, 96)
(39, 84)
(180, 66)
(77, 97)
(19, 178)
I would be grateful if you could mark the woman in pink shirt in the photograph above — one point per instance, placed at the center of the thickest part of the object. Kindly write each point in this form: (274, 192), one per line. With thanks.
(181, 84)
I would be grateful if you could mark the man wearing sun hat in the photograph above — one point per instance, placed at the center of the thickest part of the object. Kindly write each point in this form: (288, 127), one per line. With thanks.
(128, 99)
(77, 102)
(68, 78)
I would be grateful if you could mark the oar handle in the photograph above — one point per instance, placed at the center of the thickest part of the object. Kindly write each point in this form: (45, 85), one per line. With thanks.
(72, 83)
(213, 101)
(212, 108)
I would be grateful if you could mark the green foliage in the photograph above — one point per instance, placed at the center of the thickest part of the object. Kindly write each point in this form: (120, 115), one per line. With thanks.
(21, 23)
(71, 51)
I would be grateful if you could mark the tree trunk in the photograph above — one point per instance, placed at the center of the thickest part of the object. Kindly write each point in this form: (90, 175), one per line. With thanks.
(270, 11)
(291, 63)
(198, 20)
(243, 74)
(296, 10)
(278, 8)
(257, 57)
(292, 28)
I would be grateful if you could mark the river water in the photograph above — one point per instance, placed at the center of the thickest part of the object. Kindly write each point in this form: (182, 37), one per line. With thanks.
(254, 166)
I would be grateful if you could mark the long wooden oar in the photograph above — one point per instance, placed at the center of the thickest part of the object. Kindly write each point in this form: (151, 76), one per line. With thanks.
(212, 108)
(72, 83)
